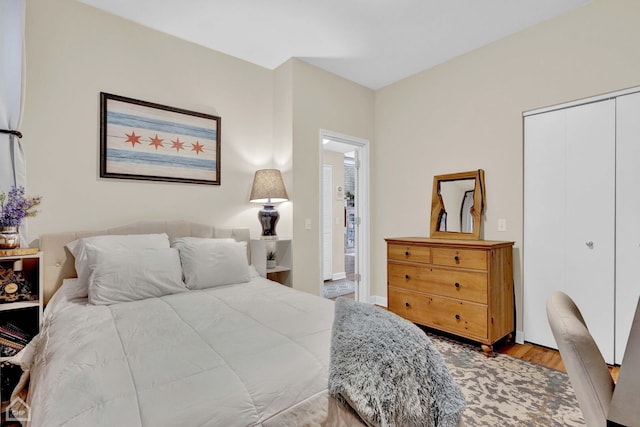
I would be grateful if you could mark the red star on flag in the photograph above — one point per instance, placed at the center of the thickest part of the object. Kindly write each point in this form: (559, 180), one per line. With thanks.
(133, 138)
(197, 147)
(157, 142)
(177, 144)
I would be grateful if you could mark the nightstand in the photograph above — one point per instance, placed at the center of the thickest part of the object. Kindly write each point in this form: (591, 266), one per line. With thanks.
(20, 319)
(281, 273)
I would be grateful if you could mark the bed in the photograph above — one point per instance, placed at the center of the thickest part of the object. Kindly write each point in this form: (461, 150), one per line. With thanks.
(132, 348)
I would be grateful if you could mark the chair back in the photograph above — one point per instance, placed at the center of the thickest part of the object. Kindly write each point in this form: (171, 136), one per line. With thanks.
(588, 372)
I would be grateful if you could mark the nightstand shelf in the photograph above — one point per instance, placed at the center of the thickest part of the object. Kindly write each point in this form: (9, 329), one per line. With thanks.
(277, 269)
(18, 305)
(282, 272)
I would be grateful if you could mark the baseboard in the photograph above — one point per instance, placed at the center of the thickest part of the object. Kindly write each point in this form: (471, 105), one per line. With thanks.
(339, 276)
(520, 337)
(378, 300)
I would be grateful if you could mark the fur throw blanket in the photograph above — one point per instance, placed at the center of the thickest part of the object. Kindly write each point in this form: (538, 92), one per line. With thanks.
(388, 371)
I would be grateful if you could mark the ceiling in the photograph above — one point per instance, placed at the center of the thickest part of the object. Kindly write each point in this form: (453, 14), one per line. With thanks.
(371, 42)
(338, 147)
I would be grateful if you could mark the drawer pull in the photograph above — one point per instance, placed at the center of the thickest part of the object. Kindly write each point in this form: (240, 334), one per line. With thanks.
(407, 304)
(457, 258)
(457, 285)
(406, 276)
(457, 317)
(406, 253)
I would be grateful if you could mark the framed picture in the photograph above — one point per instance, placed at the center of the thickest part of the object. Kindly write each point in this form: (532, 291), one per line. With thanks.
(142, 140)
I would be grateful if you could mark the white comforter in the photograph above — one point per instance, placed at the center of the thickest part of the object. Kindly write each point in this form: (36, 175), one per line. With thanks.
(238, 355)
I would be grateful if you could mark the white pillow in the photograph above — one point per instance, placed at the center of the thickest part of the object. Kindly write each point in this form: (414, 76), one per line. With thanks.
(181, 241)
(122, 275)
(213, 262)
(111, 242)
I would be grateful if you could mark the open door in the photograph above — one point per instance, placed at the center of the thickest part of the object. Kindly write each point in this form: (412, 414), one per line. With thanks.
(342, 219)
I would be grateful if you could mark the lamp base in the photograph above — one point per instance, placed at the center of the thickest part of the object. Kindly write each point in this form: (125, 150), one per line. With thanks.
(268, 217)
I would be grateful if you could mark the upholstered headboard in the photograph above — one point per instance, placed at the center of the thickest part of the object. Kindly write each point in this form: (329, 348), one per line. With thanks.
(59, 263)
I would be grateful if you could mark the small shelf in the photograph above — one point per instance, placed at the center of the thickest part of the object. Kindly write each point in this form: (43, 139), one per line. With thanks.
(17, 253)
(282, 272)
(18, 305)
(278, 269)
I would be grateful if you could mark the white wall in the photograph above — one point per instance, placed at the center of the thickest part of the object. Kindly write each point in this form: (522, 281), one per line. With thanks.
(462, 115)
(73, 52)
(467, 114)
(283, 141)
(321, 100)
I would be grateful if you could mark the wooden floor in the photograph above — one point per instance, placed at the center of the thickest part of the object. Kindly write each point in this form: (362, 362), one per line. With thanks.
(541, 356)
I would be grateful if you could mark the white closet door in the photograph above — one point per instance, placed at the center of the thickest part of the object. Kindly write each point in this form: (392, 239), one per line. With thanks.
(627, 217)
(590, 218)
(544, 213)
(569, 218)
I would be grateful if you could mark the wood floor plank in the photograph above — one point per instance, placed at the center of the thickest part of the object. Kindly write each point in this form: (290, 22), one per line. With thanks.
(542, 356)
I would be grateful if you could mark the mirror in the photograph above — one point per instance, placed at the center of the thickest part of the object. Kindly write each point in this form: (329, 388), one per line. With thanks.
(457, 203)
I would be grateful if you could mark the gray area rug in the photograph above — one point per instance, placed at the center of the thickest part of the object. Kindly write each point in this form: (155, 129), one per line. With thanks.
(338, 288)
(504, 391)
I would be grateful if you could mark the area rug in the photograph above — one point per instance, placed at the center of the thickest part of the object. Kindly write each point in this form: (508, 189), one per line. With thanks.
(501, 390)
(338, 288)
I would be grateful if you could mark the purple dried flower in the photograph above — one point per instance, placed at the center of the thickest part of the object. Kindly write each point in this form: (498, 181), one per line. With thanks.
(15, 206)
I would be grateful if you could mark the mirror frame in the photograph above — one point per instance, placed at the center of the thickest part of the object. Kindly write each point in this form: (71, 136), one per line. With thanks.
(479, 199)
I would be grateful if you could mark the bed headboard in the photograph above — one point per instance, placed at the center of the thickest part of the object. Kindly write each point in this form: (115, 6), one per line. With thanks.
(59, 262)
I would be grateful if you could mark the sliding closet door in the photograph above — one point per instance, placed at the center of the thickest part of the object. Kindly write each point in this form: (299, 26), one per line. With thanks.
(590, 220)
(627, 216)
(570, 218)
(544, 213)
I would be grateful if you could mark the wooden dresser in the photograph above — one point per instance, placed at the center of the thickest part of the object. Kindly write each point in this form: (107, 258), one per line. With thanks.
(463, 287)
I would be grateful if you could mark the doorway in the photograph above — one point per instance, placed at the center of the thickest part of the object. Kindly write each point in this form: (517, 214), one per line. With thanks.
(345, 216)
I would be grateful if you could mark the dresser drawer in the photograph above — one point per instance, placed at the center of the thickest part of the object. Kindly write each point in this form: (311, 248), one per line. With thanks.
(465, 285)
(459, 317)
(409, 253)
(465, 258)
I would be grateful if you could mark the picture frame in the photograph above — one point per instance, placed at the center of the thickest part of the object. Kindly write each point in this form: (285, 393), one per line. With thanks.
(146, 141)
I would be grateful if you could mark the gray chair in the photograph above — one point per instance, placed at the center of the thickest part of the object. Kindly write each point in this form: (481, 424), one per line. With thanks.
(588, 372)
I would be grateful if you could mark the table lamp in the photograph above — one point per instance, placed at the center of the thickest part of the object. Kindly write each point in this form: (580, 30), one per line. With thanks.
(268, 188)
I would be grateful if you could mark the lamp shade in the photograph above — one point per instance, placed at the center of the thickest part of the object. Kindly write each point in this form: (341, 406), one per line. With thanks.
(268, 187)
